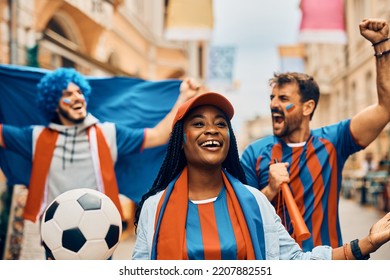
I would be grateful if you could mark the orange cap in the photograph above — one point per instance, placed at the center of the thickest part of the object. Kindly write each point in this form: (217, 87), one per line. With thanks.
(208, 98)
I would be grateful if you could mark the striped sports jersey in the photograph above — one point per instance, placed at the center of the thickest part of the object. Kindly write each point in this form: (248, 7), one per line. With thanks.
(315, 177)
(213, 232)
(240, 209)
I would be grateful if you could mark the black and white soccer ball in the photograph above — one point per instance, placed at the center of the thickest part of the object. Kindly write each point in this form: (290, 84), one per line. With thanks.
(81, 224)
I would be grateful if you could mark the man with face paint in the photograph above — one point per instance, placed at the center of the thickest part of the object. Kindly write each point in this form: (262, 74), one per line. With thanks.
(76, 150)
(311, 161)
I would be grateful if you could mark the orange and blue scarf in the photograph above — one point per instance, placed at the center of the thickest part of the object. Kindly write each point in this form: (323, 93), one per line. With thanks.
(45, 146)
(169, 241)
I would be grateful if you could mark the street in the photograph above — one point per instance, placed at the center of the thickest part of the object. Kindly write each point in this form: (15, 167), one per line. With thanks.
(356, 221)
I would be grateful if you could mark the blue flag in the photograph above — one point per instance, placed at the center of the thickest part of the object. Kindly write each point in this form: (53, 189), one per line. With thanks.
(131, 102)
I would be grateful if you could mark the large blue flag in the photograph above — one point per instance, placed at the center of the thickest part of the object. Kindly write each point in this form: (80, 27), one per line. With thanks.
(129, 101)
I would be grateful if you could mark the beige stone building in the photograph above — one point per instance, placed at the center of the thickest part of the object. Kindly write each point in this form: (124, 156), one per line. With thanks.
(346, 74)
(98, 37)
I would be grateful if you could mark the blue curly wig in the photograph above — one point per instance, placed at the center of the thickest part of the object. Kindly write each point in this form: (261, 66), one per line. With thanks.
(51, 86)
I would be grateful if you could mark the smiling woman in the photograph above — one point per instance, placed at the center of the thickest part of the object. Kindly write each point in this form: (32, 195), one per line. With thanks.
(202, 155)
(200, 208)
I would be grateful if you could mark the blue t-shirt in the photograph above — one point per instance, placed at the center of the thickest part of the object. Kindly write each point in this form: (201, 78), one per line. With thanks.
(20, 140)
(72, 164)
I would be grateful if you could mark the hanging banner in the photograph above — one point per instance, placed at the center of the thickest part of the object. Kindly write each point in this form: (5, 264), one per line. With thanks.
(292, 58)
(220, 66)
(189, 20)
(322, 22)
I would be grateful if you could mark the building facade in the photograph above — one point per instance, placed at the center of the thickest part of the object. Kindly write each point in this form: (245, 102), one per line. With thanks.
(97, 37)
(346, 74)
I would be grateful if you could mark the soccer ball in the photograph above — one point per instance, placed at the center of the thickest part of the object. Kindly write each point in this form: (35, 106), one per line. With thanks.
(81, 224)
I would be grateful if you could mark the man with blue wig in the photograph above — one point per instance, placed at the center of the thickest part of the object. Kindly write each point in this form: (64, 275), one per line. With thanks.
(75, 149)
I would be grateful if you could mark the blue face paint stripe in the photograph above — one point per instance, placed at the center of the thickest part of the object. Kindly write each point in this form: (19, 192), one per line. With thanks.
(290, 107)
(66, 100)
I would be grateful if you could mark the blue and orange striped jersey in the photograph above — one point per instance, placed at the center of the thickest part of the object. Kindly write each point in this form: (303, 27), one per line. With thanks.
(213, 232)
(315, 170)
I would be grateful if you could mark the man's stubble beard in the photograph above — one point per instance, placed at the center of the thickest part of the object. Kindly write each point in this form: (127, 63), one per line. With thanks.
(66, 115)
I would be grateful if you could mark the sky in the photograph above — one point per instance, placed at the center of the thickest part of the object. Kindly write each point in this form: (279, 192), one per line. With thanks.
(255, 28)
